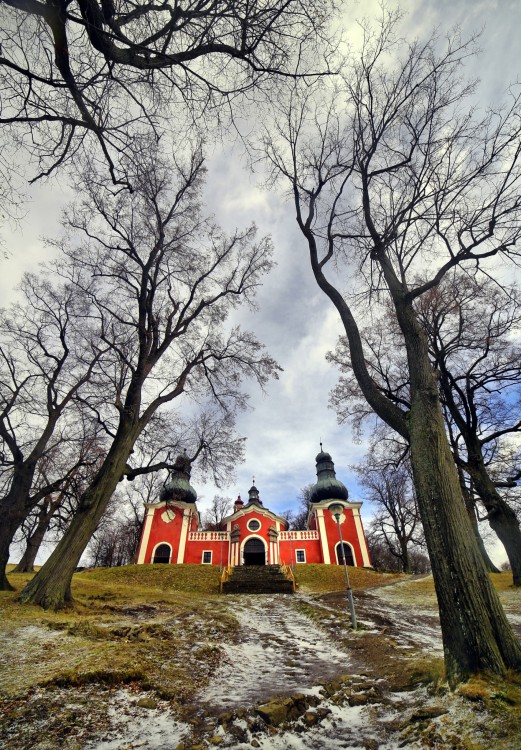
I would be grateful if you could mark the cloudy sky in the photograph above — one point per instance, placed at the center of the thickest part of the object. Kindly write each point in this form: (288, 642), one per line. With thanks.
(294, 320)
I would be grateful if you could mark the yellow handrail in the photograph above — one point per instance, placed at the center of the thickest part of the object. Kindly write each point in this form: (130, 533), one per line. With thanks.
(288, 572)
(227, 571)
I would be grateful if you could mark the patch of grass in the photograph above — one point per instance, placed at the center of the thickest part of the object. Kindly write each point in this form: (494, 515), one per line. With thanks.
(503, 581)
(322, 578)
(158, 625)
(200, 579)
(494, 691)
(501, 698)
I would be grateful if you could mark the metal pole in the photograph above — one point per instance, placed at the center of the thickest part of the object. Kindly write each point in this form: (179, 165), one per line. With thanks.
(349, 592)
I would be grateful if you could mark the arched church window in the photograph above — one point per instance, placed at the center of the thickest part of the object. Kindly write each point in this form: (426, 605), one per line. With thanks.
(162, 554)
(348, 552)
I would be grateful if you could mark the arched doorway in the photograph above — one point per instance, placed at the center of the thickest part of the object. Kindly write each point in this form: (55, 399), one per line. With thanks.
(162, 553)
(254, 552)
(348, 552)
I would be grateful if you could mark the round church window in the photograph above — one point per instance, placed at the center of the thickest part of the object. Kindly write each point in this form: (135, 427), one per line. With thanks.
(254, 525)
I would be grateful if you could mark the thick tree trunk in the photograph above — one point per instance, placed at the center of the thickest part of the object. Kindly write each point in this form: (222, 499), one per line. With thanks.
(404, 556)
(476, 634)
(471, 511)
(501, 517)
(51, 586)
(7, 531)
(14, 509)
(26, 564)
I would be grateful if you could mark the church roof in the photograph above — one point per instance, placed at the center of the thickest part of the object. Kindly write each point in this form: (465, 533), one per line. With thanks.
(254, 504)
(327, 486)
(178, 486)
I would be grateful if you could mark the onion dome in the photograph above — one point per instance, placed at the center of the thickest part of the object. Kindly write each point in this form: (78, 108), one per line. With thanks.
(238, 504)
(253, 495)
(178, 486)
(328, 487)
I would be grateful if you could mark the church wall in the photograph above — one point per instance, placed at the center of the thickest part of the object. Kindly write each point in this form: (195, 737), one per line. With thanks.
(311, 547)
(209, 543)
(350, 535)
(162, 531)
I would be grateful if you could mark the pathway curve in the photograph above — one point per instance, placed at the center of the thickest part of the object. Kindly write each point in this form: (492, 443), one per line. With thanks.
(279, 650)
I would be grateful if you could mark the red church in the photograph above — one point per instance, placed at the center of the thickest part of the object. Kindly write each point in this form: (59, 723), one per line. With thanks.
(252, 534)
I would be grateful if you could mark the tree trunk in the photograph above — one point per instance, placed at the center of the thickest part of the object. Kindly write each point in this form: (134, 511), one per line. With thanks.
(476, 634)
(26, 564)
(471, 510)
(51, 586)
(8, 529)
(14, 508)
(489, 565)
(404, 554)
(501, 517)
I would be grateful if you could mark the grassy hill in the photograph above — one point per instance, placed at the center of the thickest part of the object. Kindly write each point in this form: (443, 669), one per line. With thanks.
(156, 628)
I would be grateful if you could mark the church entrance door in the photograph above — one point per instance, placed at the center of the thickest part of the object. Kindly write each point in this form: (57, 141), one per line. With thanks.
(254, 552)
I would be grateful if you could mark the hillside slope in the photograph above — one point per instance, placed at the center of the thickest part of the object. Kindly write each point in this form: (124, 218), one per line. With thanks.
(153, 654)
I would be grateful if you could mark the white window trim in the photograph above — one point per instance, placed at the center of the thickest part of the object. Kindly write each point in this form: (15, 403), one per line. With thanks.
(155, 548)
(254, 531)
(300, 562)
(207, 551)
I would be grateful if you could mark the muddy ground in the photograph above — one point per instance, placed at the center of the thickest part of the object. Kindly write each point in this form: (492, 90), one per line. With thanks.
(291, 674)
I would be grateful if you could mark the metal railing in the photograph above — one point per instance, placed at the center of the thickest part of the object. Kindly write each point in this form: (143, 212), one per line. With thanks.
(227, 571)
(288, 572)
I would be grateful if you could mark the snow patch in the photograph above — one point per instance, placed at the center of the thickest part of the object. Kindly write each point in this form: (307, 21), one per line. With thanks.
(143, 728)
(279, 651)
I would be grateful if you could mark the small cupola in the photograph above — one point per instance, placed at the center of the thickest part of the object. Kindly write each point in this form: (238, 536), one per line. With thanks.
(238, 504)
(253, 494)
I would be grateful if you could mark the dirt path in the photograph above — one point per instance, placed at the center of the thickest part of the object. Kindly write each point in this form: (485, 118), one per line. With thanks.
(279, 650)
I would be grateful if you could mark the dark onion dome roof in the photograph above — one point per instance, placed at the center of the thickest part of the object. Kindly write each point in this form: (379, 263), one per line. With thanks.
(178, 486)
(239, 501)
(253, 495)
(328, 487)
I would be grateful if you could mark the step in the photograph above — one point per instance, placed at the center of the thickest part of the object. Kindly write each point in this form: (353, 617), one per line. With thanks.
(279, 587)
(257, 579)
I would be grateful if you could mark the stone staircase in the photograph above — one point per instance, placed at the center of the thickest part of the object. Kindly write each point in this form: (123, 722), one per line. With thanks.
(257, 579)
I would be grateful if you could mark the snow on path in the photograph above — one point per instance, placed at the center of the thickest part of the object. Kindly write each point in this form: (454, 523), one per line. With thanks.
(279, 650)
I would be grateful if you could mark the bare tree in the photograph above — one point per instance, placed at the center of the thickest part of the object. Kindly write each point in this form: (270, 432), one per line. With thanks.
(395, 184)
(220, 507)
(46, 359)
(115, 542)
(472, 325)
(77, 461)
(396, 520)
(162, 281)
(494, 387)
(384, 560)
(90, 73)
